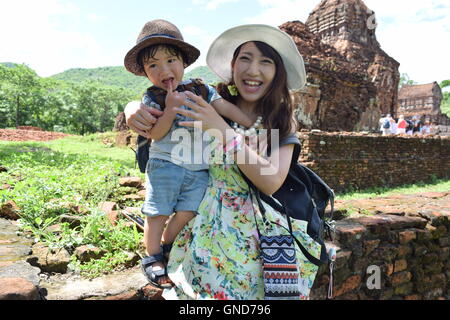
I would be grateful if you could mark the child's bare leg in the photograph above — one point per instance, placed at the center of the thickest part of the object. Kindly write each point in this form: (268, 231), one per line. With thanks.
(175, 224)
(153, 230)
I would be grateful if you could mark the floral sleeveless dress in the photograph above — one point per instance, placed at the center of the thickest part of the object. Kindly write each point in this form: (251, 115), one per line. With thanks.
(217, 256)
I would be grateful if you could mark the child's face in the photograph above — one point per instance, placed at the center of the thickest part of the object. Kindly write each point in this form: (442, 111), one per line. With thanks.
(164, 69)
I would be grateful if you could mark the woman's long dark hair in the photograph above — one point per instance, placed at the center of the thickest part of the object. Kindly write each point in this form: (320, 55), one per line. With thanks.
(276, 107)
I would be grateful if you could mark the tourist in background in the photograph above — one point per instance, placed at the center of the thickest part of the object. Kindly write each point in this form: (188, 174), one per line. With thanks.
(417, 125)
(385, 125)
(409, 127)
(401, 125)
(426, 129)
(393, 125)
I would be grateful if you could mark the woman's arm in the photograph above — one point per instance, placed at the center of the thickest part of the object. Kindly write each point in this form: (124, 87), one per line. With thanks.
(141, 118)
(232, 112)
(266, 174)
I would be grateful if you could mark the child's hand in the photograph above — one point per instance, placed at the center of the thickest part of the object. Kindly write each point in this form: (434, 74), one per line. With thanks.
(174, 98)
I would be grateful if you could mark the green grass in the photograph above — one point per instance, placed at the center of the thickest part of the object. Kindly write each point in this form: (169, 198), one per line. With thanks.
(434, 186)
(50, 178)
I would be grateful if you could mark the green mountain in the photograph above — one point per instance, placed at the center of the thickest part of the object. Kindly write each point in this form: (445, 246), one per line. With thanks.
(204, 73)
(112, 76)
(119, 76)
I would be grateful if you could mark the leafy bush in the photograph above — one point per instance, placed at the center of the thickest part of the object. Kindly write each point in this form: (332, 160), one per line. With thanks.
(51, 179)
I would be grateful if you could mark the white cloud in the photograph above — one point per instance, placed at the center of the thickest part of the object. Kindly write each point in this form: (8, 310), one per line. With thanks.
(201, 39)
(95, 17)
(212, 4)
(34, 37)
(413, 32)
(277, 12)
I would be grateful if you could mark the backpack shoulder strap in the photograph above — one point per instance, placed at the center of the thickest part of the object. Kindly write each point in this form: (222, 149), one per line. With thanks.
(157, 95)
(198, 87)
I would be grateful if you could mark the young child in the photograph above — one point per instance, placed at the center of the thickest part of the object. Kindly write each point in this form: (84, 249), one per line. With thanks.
(174, 184)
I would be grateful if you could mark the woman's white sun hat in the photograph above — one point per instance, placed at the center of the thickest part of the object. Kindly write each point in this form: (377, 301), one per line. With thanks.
(221, 51)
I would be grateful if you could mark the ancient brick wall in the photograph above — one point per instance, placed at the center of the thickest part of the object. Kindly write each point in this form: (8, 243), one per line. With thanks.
(356, 161)
(408, 254)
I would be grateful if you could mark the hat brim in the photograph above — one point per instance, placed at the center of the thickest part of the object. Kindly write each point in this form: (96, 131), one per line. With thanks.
(132, 65)
(221, 51)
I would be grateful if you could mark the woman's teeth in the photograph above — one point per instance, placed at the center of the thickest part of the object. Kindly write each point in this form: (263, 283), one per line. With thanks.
(252, 83)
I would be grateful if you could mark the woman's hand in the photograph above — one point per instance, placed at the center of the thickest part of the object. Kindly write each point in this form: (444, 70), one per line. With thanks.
(203, 112)
(141, 118)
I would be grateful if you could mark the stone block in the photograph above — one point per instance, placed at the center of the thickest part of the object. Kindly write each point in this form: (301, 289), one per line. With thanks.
(87, 253)
(404, 289)
(107, 206)
(370, 245)
(413, 297)
(386, 252)
(342, 258)
(444, 254)
(348, 285)
(404, 251)
(434, 268)
(400, 265)
(444, 241)
(400, 277)
(17, 289)
(9, 210)
(347, 231)
(135, 182)
(424, 235)
(407, 236)
(49, 260)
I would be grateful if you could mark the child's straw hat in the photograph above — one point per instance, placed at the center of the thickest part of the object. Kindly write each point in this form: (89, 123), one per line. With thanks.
(158, 32)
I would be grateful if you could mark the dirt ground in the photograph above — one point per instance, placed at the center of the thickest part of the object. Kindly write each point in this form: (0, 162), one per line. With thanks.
(29, 135)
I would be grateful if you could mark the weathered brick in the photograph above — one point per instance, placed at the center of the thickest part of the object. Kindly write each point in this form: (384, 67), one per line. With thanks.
(444, 242)
(370, 245)
(434, 268)
(429, 258)
(413, 297)
(347, 231)
(400, 265)
(348, 285)
(423, 235)
(404, 289)
(342, 257)
(403, 251)
(420, 250)
(386, 252)
(401, 277)
(406, 236)
(444, 254)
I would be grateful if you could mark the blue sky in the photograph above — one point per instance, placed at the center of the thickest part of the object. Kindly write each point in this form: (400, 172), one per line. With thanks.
(54, 35)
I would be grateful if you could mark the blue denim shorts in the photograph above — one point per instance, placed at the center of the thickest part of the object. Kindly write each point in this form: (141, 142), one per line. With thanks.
(171, 188)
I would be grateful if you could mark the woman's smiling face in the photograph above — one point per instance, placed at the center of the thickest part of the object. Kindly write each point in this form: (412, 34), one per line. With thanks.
(253, 73)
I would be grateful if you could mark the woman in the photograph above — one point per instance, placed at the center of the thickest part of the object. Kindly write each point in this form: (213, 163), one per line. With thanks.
(402, 124)
(217, 256)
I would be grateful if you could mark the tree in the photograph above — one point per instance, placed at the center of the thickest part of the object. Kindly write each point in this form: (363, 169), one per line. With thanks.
(19, 87)
(445, 104)
(405, 81)
(79, 108)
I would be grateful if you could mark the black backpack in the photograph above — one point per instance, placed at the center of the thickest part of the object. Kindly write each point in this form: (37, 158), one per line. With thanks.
(158, 95)
(303, 196)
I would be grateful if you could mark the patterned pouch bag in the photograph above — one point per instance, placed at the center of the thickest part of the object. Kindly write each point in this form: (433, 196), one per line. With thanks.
(279, 267)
